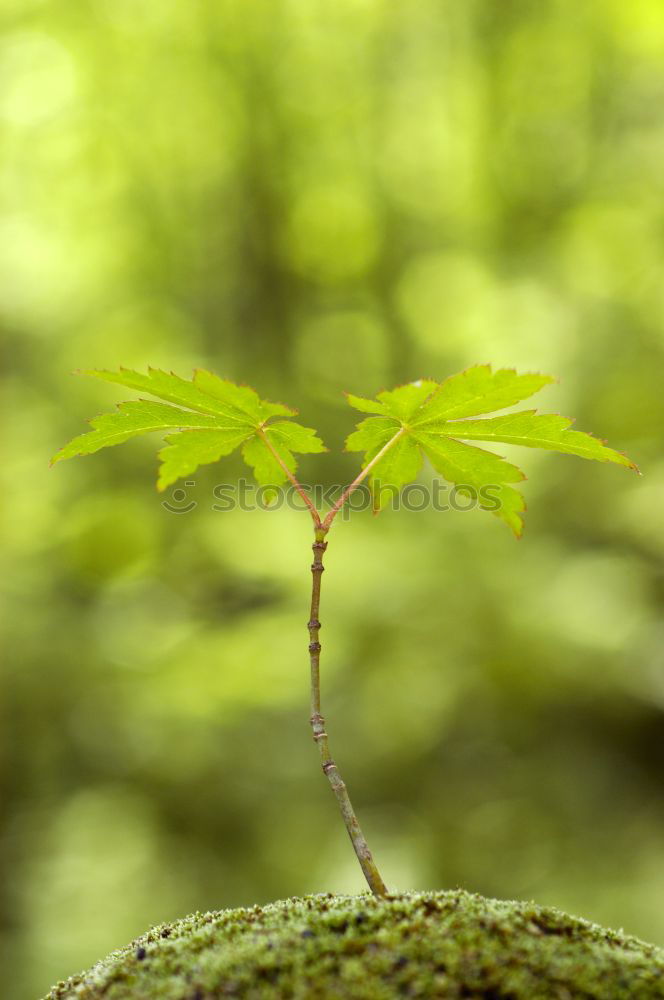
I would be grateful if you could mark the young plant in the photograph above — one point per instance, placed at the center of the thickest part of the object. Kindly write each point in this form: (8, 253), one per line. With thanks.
(210, 417)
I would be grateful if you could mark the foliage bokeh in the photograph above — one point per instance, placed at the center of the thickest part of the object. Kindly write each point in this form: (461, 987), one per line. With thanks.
(312, 198)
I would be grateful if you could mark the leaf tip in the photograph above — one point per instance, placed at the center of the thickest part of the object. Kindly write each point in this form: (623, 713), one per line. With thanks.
(60, 456)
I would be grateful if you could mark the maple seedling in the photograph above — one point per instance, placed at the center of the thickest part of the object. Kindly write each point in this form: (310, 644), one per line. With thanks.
(210, 417)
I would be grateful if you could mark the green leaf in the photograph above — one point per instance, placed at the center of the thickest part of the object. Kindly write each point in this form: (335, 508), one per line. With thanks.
(480, 390)
(268, 471)
(426, 418)
(537, 430)
(404, 401)
(371, 435)
(137, 417)
(267, 468)
(239, 397)
(214, 417)
(186, 451)
(398, 466)
(365, 405)
(464, 463)
(277, 442)
(295, 436)
(473, 471)
(168, 386)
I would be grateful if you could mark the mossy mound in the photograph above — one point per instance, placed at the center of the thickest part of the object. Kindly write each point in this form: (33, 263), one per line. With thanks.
(442, 944)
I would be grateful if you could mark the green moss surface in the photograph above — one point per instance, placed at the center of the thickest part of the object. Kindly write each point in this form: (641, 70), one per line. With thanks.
(443, 944)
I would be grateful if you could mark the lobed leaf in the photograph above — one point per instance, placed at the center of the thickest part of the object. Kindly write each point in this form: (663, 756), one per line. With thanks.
(170, 387)
(365, 405)
(239, 398)
(213, 416)
(473, 471)
(267, 469)
(430, 418)
(537, 430)
(186, 451)
(282, 439)
(399, 466)
(480, 390)
(404, 401)
(371, 435)
(132, 418)
(301, 439)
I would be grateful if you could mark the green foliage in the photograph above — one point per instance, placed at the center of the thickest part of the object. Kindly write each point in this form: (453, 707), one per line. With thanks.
(213, 417)
(275, 198)
(426, 418)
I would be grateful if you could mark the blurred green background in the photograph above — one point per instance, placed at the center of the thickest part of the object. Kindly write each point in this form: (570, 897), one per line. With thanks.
(314, 197)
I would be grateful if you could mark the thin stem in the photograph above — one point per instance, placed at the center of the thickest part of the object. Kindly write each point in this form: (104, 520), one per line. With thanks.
(330, 768)
(317, 721)
(332, 513)
(312, 510)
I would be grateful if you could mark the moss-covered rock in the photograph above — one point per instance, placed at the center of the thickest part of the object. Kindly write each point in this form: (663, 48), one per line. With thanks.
(443, 944)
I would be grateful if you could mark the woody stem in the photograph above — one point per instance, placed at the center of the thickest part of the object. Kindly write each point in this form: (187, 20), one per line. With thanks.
(330, 768)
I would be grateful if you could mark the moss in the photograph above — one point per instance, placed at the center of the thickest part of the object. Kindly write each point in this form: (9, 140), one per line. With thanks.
(444, 944)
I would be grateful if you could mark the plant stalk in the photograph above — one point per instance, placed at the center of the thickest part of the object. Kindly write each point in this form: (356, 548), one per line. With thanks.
(298, 487)
(330, 768)
(332, 513)
(317, 721)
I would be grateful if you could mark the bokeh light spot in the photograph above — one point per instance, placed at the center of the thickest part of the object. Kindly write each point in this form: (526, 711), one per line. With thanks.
(37, 78)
